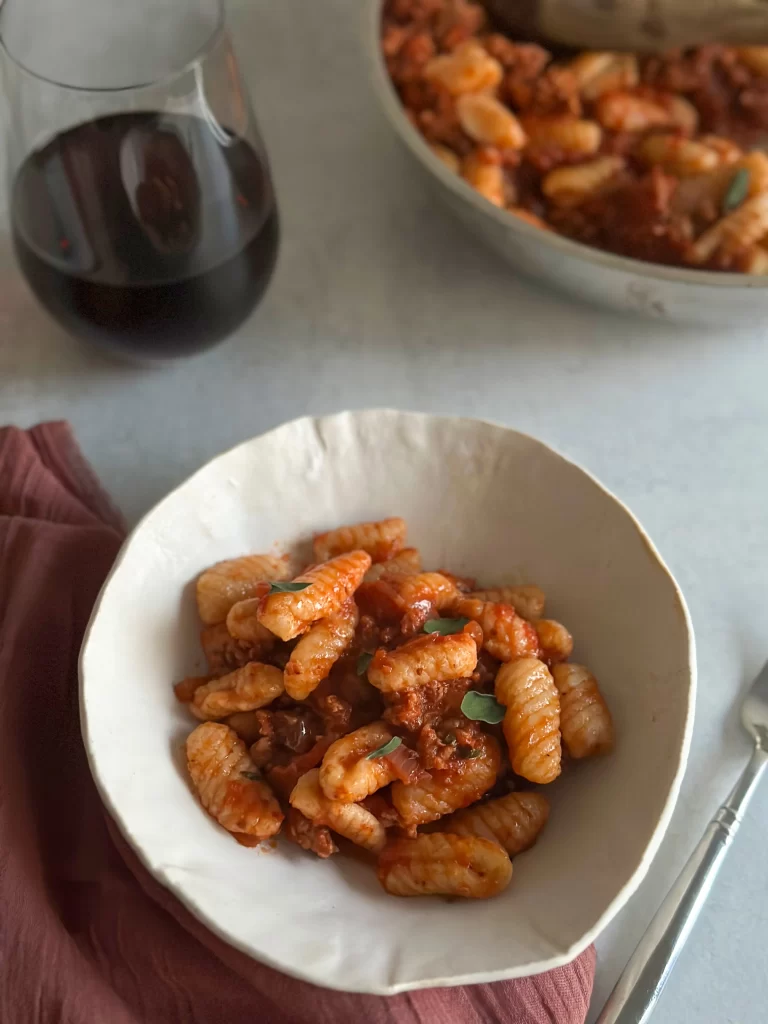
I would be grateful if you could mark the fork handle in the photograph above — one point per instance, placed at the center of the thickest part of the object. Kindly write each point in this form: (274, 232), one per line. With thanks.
(641, 983)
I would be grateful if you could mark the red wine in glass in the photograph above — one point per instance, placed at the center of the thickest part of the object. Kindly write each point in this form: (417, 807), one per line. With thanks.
(148, 232)
(142, 207)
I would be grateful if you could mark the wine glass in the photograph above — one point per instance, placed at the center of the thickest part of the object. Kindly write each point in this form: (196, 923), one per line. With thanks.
(142, 207)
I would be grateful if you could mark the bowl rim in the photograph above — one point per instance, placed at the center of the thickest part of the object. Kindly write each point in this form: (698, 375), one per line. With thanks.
(393, 109)
(393, 988)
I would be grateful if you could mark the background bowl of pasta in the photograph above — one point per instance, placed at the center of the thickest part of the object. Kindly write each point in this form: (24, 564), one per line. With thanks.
(654, 163)
(486, 502)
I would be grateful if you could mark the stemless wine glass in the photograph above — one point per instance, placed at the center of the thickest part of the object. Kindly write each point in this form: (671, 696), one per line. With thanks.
(142, 208)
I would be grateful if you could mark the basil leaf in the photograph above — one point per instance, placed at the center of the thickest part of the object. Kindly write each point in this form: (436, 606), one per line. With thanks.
(363, 662)
(287, 588)
(737, 190)
(445, 627)
(393, 744)
(253, 776)
(482, 707)
(468, 753)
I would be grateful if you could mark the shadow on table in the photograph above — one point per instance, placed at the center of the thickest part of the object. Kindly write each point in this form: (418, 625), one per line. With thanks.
(32, 345)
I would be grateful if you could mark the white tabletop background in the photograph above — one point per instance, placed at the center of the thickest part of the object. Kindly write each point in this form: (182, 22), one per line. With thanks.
(380, 300)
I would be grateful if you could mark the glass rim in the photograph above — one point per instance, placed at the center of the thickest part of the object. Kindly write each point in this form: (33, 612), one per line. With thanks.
(216, 35)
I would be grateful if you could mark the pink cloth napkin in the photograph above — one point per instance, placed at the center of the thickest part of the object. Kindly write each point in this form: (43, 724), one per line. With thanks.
(86, 934)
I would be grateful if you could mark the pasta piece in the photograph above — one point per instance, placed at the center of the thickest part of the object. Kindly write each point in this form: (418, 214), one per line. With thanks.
(352, 821)
(489, 122)
(556, 642)
(756, 163)
(347, 775)
(569, 186)
(449, 789)
(243, 624)
(755, 262)
(446, 156)
(308, 797)
(755, 58)
(598, 73)
(381, 540)
(470, 68)
(331, 586)
(678, 155)
(434, 587)
(431, 658)
(532, 720)
(318, 650)
(625, 112)
(406, 563)
(527, 600)
(185, 690)
(391, 598)
(475, 630)
(485, 178)
(505, 634)
(246, 689)
(734, 232)
(585, 720)
(587, 66)
(570, 135)
(702, 193)
(682, 113)
(513, 821)
(448, 865)
(705, 192)
(221, 771)
(726, 149)
(226, 583)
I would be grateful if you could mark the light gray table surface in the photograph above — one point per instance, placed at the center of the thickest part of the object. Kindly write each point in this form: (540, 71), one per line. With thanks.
(380, 300)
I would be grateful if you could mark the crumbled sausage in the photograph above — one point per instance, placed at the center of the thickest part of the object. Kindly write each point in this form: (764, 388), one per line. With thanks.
(425, 705)
(315, 838)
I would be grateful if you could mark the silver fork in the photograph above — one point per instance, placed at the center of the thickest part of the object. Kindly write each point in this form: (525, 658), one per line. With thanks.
(643, 979)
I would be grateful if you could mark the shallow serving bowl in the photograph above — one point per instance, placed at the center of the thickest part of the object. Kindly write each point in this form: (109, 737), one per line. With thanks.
(479, 499)
(623, 284)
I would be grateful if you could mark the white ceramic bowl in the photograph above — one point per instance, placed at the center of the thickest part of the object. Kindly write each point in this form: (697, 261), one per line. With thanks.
(479, 499)
(627, 285)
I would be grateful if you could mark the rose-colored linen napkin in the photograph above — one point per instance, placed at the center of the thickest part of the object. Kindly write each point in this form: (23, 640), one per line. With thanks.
(86, 934)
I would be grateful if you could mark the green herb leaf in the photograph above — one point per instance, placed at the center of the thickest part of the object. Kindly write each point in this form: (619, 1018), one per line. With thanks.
(287, 588)
(450, 739)
(482, 707)
(470, 752)
(253, 776)
(737, 190)
(445, 627)
(393, 744)
(363, 662)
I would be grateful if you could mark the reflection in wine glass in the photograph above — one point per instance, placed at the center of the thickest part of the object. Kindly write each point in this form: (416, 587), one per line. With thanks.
(142, 205)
